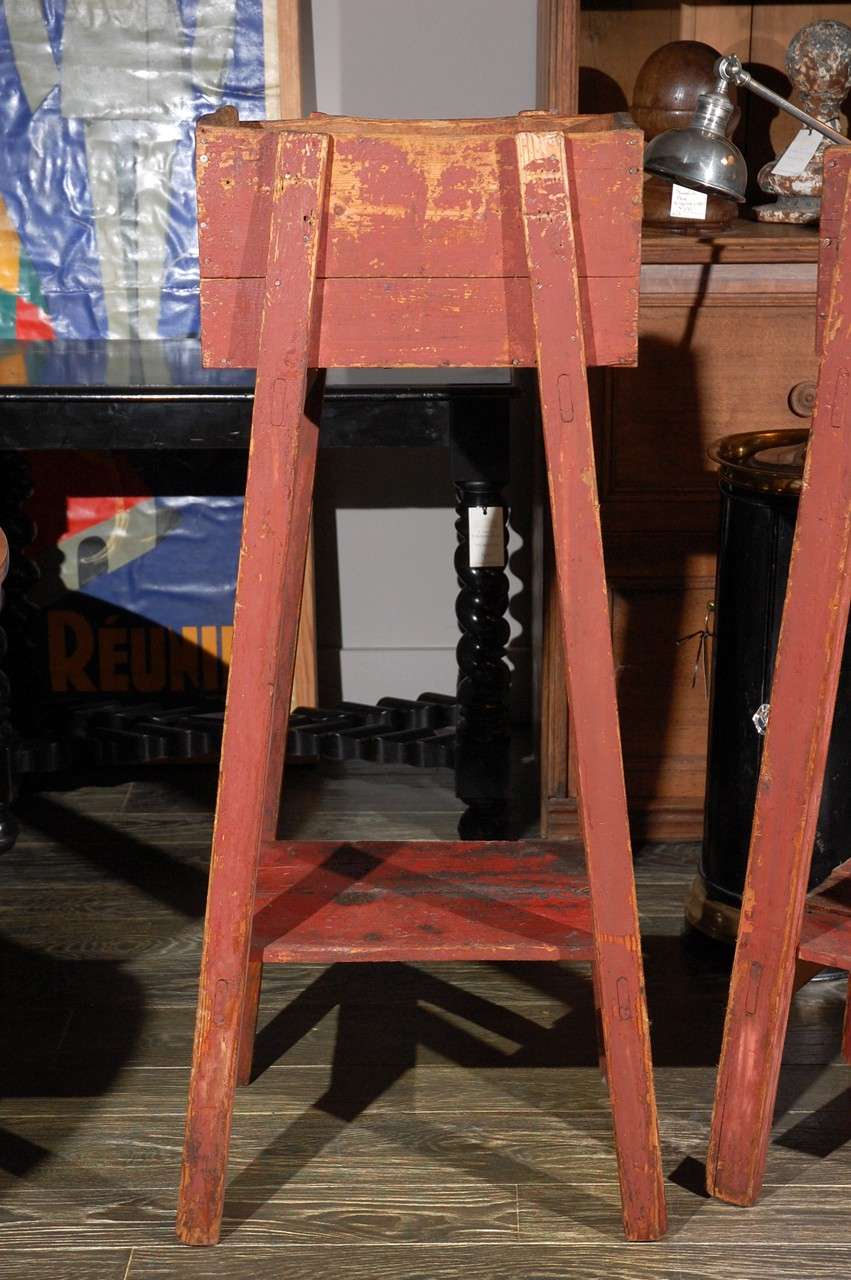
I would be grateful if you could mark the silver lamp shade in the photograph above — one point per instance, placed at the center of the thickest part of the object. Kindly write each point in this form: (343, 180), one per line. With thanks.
(701, 156)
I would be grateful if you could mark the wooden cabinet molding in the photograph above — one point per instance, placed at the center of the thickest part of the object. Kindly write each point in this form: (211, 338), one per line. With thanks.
(558, 56)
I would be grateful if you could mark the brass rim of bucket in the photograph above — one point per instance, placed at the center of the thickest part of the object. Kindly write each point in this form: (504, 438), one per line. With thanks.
(738, 461)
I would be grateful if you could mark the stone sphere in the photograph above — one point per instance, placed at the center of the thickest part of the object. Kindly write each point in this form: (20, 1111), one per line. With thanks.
(818, 60)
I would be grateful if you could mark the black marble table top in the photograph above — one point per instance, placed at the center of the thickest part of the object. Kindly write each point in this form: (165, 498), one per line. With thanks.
(100, 394)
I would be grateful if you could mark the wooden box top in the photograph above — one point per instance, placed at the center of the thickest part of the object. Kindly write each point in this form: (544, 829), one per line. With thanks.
(432, 209)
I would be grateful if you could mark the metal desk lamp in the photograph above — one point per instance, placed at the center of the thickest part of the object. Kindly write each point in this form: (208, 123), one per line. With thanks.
(700, 156)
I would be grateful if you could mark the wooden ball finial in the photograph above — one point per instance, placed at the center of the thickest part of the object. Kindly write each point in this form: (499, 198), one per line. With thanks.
(665, 96)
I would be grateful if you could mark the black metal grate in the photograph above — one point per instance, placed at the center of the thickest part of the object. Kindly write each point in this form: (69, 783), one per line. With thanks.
(418, 732)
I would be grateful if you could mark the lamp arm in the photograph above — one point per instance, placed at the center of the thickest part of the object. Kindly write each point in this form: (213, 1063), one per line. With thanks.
(731, 70)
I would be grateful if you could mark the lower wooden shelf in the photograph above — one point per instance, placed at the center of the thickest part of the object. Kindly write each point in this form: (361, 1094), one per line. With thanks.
(323, 901)
(826, 931)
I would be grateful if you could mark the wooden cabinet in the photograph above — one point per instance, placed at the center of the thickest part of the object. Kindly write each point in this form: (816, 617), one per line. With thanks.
(616, 36)
(726, 331)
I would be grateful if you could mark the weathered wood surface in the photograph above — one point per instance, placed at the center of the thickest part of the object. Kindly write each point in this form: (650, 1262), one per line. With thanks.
(589, 668)
(802, 701)
(383, 1215)
(321, 902)
(425, 202)
(85, 1264)
(837, 165)
(402, 322)
(337, 1142)
(420, 202)
(499, 1045)
(421, 199)
(248, 1022)
(499, 1262)
(274, 546)
(826, 925)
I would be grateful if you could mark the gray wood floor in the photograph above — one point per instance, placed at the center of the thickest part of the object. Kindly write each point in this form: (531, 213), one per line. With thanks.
(406, 1123)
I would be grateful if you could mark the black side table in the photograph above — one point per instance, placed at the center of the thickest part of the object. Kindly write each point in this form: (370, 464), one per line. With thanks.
(97, 395)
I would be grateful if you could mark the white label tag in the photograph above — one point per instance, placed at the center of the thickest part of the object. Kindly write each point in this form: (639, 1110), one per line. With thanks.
(487, 537)
(798, 154)
(686, 203)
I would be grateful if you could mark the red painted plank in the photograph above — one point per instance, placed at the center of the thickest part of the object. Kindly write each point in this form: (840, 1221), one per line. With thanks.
(837, 167)
(569, 446)
(414, 202)
(321, 902)
(826, 925)
(275, 531)
(803, 694)
(248, 1024)
(418, 323)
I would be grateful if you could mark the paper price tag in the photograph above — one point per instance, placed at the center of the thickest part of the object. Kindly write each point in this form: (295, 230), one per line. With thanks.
(487, 537)
(798, 154)
(686, 203)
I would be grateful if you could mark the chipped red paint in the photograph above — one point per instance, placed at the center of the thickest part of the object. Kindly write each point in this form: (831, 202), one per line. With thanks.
(830, 222)
(275, 528)
(378, 243)
(318, 902)
(589, 666)
(403, 322)
(803, 695)
(826, 927)
(405, 207)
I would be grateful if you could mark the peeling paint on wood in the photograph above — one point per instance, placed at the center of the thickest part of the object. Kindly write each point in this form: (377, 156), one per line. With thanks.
(589, 665)
(322, 902)
(404, 323)
(422, 204)
(413, 243)
(271, 569)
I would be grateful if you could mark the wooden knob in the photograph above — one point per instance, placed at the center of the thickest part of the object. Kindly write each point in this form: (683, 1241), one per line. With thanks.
(802, 399)
(669, 84)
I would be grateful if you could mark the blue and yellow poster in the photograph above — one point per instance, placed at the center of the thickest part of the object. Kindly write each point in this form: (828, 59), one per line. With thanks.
(135, 588)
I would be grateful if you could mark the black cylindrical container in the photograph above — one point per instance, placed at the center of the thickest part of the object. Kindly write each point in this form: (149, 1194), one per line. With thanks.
(760, 479)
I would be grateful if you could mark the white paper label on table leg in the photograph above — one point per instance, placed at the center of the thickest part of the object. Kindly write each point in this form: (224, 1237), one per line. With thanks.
(686, 203)
(487, 537)
(798, 154)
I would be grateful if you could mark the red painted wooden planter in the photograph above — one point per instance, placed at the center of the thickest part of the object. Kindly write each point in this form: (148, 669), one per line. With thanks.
(425, 244)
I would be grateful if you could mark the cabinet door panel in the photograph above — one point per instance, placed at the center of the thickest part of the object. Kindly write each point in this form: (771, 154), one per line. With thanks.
(663, 714)
(710, 364)
(703, 372)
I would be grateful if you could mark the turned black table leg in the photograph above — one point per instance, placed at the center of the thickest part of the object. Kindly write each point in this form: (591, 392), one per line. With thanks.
(480, 468)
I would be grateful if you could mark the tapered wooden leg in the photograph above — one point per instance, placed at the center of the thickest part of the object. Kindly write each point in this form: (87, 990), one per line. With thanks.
(248, 1021)
(566, 416)
(846, 1026)
(803, 694)
(805, 971)
(274, 544)
(598, 1022)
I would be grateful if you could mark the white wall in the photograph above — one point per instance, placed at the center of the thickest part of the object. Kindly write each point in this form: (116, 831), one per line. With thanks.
(424, 58)
(385, 520)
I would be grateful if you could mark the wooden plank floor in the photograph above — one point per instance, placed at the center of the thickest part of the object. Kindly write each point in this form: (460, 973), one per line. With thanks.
(406, 1123)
